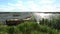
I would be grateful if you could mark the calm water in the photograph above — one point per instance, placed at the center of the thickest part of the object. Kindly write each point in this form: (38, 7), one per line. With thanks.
(21, 15)
(45, 15)
(10, 15)
(39, 16)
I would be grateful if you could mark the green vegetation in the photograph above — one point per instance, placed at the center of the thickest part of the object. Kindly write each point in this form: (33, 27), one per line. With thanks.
(31, 27)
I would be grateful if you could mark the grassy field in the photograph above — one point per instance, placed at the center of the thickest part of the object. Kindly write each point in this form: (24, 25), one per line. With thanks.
(31, 27)
(45, 26)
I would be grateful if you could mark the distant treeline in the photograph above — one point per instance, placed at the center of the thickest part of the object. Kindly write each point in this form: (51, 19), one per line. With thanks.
(50, 12)
(29, 12)
(13, 12)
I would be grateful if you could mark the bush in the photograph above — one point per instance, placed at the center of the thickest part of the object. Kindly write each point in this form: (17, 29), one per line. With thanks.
(3, 29)
(35, 32)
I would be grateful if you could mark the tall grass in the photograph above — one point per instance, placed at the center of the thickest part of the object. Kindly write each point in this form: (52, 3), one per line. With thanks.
(46, 26)
(28, 27)
(54, 22)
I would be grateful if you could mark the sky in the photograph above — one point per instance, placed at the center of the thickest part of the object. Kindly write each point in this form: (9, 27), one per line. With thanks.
(29, 5)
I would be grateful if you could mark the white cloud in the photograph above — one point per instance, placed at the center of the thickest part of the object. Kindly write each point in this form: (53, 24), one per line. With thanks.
(42, 5)
(46, 1)
(18, 4)
(32, 6)
(44, 8)
(57, 8)
(6, 9)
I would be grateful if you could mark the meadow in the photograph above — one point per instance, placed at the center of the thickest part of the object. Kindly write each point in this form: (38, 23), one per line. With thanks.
(31, 27)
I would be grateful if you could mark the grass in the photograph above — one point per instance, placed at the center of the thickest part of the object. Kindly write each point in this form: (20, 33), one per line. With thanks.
(28, 27)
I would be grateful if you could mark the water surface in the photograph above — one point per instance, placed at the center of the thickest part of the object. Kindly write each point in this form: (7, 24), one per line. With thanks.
(49, 16)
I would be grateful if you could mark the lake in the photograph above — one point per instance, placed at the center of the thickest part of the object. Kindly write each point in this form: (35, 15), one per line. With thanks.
(21, 15)
(13, 15)
(49, 16)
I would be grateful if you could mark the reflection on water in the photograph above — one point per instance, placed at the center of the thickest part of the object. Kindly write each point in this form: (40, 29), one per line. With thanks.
(45, 15)
(21, 15)
(39, 16)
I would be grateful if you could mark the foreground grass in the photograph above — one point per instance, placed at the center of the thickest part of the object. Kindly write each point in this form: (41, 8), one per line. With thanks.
(28, 27)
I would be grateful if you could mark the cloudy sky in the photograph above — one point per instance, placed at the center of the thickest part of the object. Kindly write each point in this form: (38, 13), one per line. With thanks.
(30, 5)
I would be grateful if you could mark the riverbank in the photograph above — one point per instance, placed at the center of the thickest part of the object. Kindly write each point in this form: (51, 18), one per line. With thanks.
(28, 27)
